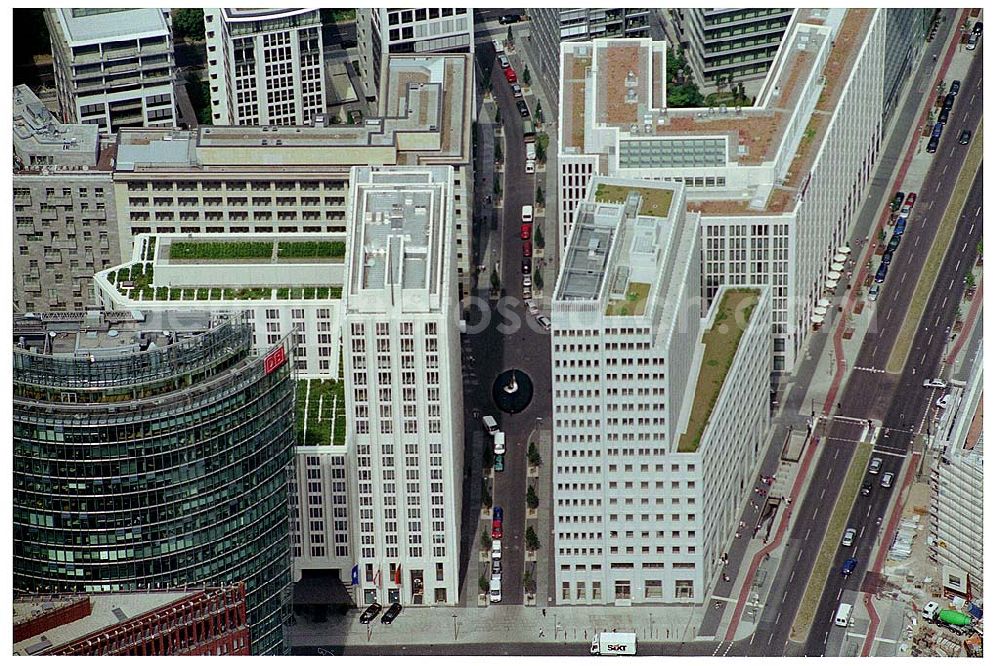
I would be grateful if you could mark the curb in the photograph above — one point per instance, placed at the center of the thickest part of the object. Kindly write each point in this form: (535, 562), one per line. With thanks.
(971, 317)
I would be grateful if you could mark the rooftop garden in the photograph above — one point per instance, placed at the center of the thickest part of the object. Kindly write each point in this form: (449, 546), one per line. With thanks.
(311, 249)
(655, 201)
(721, 342)
(320, 412)
(634, 303)
(220, 250)
(136, 282)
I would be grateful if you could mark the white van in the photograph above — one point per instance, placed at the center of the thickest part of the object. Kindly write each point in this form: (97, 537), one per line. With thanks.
(498, 46)
(843, 615)
(497, 549)
(495, 597)
(499, 443)
(490, 424)
(527, 213)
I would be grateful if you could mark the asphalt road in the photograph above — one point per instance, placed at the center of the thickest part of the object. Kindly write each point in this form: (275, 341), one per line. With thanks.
(501, 649)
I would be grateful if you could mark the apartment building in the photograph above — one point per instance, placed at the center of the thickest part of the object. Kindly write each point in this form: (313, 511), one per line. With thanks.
(777, 184)
(730, 44)
(113, 68)
(957, 527)
(659, 416)
(382, 32)
(65, 226)
(403, 386)
(550, 26)
(294, 180)
(265, 66)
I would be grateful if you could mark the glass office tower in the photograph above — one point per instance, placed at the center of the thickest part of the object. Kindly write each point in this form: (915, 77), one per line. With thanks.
(153, 451)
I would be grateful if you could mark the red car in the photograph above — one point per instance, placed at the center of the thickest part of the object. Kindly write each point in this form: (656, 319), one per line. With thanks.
(497, 529)
(525, 232)
(911, 199)
(511, 75)
(526, 248)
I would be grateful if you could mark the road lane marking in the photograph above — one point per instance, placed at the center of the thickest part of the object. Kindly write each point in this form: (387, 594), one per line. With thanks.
(923, 358)
(978, 211)
(938, 320)
(753, 636)
(862, 533)
(792, 577)
(799, 557)
(822, 493)
(951, 283)
(883, 452)
(839, 593)
(951, 154)
(965, 246)
(828, 473)
(945, 170)
(938, 188)
(814, 512)
(836, 452)
(770, 638)
(784, 596)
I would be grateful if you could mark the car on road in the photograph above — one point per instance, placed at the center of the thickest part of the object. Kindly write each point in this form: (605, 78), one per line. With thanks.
(526, 281)
(932, 145)
(875, 465)
(497, 513)
(896, 202)
(529, 167)
(525, 266)
(955, 86)
(873, 292)
(887, 257)
(850, 564)
(532, 306)
(525, 231)
(516, 89)
(943, 116)
(900, 227)
(509, 18)
(496, 549)
(490, 424)
(887, 480)
(935, 383)
(522, 108)
(949, 102)
(497, 46)
(498, 463)
(866, 488)
(936, 132)
(545, 322)
(527, 214)
(392, 612)
(894, 242)
(849, 535)
(526, 249)
(371, 613)
(496, 567)
(973, 41)
(495, 596)
(880, 274)
(510, 75)
(978, 28)
(497, 529)
(504, 62)
(965, 137)
(499, 443)
(911, 201)
(943, 401)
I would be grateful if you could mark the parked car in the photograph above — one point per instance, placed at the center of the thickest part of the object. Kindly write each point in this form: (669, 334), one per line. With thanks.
(496, 550)
(509, 18)
(850, 564)
(516, 89)
(527, 214)
(873, 292)
(392, 612)
(955, 86)
(978, 28)
(497, 46)
(935, 383)
(533, 309)
(490, 424)
(880, 274)
(965, 137)
(866, 488)
(894, 242)
(371, 613)
(849, 535)
(936, 132)
(522, 108)
(497, 529)
(529, 167)
(896, 202)
(887, 257)
(932, 145)
(525, 266)
(973, 42)
(949, 102)
(900, 227)
(496, 567)
(887, 480)
(510, 75)
(498, 463)
(526, 249)
(545, 322)
(497, 513)
(495, 596)
(525, 232)
(875, 465)
(499, 443)
(504, 62)
(943, 116)
(942, 402)
(526, 281)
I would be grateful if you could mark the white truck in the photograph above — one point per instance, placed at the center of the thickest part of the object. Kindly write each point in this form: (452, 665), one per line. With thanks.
(610, 643)
(529, 151)
(499, 443)
(843, 617)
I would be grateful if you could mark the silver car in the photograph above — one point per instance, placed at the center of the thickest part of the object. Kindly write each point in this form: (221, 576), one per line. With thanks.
(849, 535)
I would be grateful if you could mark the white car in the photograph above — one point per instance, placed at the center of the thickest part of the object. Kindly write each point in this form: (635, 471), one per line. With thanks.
(849, 535)
(497, 46)
(934, 383)
(526, 281)
(544, 321)
(490, 424)
(499, 444)
(497, 549)
(529, 167)
(495, 597)
(943, 401)
(527, 214)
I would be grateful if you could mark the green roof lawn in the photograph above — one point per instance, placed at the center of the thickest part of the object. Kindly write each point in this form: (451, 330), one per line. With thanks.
(721, 342)
(655, 201)
(634, 303)
(321, 414)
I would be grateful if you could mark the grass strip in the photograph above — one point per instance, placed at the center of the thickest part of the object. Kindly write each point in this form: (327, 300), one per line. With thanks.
(932, 266)
(806, 613)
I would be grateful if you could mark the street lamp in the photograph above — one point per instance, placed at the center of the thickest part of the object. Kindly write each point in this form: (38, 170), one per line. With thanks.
(454, 616)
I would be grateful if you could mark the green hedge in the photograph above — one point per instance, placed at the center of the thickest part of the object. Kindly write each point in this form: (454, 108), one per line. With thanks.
(246, 250)
(312, 249)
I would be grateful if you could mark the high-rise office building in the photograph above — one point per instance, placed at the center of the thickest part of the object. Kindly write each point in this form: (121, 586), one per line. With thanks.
(722, 43)
(905, 33)
(382, 32)
(152, 451)
(65, 221)
(403, 386)
(659, 417)
(113, 67)
(265, 66)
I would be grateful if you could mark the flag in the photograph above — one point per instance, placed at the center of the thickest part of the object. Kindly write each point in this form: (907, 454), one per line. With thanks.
(399, 574)
(355, 576)
(378, 578)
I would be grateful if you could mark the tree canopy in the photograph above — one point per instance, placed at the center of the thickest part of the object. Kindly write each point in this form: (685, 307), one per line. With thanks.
(189, 23)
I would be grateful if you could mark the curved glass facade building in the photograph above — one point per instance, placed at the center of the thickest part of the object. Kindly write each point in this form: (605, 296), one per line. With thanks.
(153, 451)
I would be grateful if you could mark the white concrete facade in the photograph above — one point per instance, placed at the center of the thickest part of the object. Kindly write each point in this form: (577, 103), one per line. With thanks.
(265, 66)
(635, 519)
(404, 385)
(113, 67)
(777, 184)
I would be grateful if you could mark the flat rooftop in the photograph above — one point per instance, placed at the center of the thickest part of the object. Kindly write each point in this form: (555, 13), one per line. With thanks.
(257, 14)
(87, 25)
(38, 132)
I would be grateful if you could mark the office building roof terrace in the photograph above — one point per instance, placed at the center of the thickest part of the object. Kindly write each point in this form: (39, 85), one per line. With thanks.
(89, 25)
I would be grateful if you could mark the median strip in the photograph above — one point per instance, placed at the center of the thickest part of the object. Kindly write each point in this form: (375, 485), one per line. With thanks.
(806, 613)
(932, 266)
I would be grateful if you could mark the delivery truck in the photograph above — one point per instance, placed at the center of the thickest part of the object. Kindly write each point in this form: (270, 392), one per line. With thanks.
(843, 617)
(610, 643)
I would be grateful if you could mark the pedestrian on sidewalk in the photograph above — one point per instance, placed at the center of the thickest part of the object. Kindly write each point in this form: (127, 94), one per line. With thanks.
(543, 612)
(737, 535)
(541, 634)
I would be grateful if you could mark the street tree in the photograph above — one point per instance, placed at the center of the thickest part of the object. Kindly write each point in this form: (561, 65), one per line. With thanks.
(485, 539)
(189, 23)
(541, 145)
(531, 539)
(538, 279)
(498, 118)
(540, 200)
(526, 76)
(531, 498)
(484, 585)
(539, 116)
(534, 457)
(529, 582)
(495, 280)
(539, 237)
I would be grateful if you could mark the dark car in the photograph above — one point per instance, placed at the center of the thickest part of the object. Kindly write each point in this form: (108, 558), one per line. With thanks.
(932, 145)
(391, 614)
(949, 102)
(936, 132)
(900, 227)
(526, 266)
(510, 18)
(978, 28)
(526, 249)
(371, 613)
(943, 116)
(880, 273)
(497, 529)
(887, 257)
(965, 137)
(896, 202)
(849, 565)
(866, 488)
(894, 242)
(497, 513)
(522, 108)
(955, 85)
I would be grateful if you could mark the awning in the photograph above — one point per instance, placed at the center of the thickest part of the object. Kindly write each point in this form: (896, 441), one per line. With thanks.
(823, 302)
(840, 257)
(831, 284)
(846, 249)
(820, 311)
(837, 267)
(321, 588)
(816, 319)
(833, 275)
